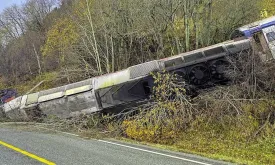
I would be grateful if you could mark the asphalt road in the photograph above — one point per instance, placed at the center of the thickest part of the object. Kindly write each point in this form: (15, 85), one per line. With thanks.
(69, 150)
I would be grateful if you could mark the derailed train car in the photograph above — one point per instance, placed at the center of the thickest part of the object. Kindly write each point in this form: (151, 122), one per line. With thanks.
(263, 34)
(125, 87)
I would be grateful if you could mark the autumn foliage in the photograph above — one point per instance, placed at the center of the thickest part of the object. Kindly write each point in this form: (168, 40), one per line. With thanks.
(163, 119)
(80, 39)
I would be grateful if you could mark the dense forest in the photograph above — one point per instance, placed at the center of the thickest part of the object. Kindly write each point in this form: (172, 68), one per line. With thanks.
(79, 39)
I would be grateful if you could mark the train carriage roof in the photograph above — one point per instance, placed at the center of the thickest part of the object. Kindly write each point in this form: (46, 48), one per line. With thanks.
(230, 46)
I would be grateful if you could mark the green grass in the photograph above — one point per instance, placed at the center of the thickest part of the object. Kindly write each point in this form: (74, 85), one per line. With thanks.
(257, 152)
(250, 153)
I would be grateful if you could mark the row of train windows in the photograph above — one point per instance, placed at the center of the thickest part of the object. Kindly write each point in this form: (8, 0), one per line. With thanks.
(195, 56)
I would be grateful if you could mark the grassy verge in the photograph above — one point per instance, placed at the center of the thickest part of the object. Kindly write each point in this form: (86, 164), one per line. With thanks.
(256, 153)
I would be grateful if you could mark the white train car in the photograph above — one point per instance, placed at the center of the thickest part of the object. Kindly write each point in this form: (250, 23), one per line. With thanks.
(123, 88)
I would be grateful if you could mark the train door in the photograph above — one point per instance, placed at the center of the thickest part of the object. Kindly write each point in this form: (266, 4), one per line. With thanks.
(269, 34)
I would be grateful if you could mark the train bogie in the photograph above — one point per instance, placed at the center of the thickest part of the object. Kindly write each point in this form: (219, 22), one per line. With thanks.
(205, 65)
(199, 74)
(217, 69)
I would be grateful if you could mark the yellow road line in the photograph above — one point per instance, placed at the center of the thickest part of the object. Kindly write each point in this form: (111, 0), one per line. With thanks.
(42, 160)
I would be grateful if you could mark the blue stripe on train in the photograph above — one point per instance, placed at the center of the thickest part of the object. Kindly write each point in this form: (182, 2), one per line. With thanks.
(253, 30)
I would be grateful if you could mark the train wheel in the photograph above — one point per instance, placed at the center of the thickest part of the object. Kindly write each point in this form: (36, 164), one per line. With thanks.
(218, 68)
(199, 75)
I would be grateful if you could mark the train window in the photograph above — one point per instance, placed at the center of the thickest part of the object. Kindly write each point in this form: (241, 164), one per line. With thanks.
(270, 36)
(193, 57)
(173, 62)
(214, 51)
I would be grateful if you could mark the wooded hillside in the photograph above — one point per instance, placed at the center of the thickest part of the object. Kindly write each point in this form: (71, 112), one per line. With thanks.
(84, 38)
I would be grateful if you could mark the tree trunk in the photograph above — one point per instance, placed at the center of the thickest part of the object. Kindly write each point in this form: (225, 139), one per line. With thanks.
(38, 60)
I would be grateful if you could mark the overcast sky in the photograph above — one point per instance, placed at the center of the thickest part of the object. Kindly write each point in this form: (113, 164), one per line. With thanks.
(7, 3)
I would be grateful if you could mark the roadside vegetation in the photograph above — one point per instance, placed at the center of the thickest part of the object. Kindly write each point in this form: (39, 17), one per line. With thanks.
(234, 122)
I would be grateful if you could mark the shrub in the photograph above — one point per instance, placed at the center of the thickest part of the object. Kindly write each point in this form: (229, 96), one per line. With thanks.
(165, 117)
